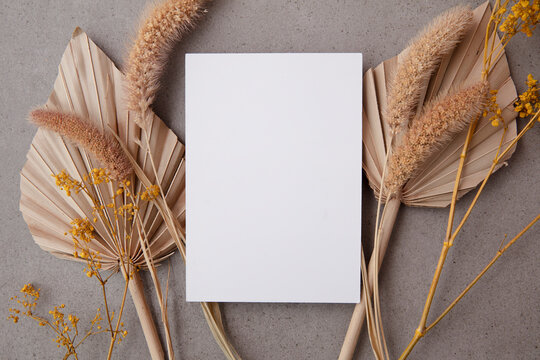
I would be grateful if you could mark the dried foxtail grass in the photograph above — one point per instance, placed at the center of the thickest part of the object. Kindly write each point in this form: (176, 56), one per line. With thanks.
(420, 60)
(105, 148)
(440, 121)
(163, 26)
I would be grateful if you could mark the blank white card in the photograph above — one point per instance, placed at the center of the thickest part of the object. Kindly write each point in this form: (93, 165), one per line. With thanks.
(274, 169)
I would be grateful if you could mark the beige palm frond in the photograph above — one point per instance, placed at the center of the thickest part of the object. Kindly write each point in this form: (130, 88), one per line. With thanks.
(433, 182)
(90, 87)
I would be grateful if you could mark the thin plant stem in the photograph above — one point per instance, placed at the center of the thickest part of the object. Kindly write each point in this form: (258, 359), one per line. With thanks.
(374, 340)
(376, 249)
(359, 313)
(106, 306)
(115, 334)
(174, 229)
(145, 246)
(500, 252)
(447, 244)
(497, 161)
(353, 332)
(421, 330)
(449, 238)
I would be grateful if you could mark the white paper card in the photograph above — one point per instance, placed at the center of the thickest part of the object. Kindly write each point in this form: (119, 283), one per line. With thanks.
(274, 168)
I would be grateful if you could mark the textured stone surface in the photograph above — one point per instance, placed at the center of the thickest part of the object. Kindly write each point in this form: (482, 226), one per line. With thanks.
(499, 319)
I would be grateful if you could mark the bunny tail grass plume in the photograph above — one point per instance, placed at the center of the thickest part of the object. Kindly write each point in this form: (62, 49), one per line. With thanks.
(164, 25)
(105, 148)
(420, 60)
(435, 127)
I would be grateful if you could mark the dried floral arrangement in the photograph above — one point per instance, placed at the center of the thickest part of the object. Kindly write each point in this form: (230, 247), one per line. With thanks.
(104, 181)
(439, 119)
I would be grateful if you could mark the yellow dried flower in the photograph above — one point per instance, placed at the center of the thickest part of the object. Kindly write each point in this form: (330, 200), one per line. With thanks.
(494, 109)
(82, 229)
(67, 183)
(150, 193)
(524, 16)
(98, 176)
(528, 102)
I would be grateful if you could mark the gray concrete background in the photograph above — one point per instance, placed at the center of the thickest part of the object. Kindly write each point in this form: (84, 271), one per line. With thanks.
(499, 319)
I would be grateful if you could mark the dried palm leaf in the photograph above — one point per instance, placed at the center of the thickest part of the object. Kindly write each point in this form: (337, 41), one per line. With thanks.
(90, 86)
(433, 183)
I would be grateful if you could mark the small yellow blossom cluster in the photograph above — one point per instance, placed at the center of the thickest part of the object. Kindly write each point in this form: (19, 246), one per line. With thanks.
(524, 16)
(82, 229)
(96, 321)
(122, 203)
(528, 102)
(122, 332)
(64, 327)
(97, 176)
(123, 189)
(127, 210)
(150, 193)
(82, 233)
(67, 183)
(494, 109)
(28, 302)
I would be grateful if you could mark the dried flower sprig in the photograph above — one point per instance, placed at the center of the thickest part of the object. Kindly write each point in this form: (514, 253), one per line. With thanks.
(164, 25)
(65, 327)
(530, 17)
(529, 102)
(423, 328)
(124, 204)
(523, 17)
(105, 148)
(438, 124)
(421, 58)
(494, 109)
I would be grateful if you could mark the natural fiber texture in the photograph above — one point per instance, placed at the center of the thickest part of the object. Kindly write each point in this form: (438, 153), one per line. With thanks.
(89, 87)
(432, 183)
(440, 121)
(104, 147)
(420, 60)
(165, 24)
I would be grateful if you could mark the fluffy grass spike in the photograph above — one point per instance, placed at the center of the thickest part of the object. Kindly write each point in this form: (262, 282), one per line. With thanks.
(436, 126)
(420, 60)
(105, 148)
(165, 24)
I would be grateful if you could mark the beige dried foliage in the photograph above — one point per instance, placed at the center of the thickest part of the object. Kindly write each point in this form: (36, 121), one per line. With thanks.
(104, 147)
(436, 126)
(161, 28)
(420, 60)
